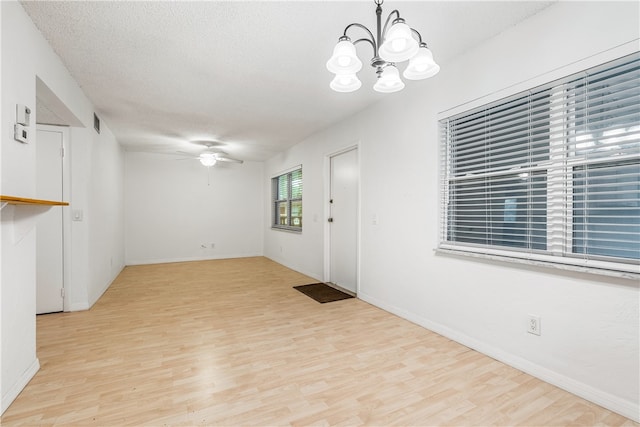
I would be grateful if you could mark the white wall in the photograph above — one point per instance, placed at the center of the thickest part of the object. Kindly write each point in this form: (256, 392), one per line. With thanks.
(97, 177)
(96, 174)
(590, 324)
(172, 211)
(304, 251)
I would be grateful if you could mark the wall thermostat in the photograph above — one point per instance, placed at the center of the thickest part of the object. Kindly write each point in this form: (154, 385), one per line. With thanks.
(23, 115)
(21, 133)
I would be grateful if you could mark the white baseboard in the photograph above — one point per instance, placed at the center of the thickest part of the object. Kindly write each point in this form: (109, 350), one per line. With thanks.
(188, 259)
(104, 289)
(616, 404)
(86, 305)
(313, 275)
(18, 386)
(79, 306)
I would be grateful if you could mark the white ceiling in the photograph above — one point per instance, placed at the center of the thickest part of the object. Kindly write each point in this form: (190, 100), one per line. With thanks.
(250, 74)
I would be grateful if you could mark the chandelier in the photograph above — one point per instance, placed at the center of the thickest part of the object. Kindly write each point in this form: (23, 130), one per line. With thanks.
(390, 47)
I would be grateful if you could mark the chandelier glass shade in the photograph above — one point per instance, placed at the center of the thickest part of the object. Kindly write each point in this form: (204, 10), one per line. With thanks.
(393, 45)
(345, 83)
(389, 81)
(399, 45)
(422, 65)
(344, 59)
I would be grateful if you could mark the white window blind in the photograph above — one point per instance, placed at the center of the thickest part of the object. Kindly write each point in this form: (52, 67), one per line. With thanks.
(287, 200)
(552, 174)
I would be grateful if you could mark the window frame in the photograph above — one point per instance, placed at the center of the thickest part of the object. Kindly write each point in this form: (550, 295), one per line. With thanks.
(559, 251)
(277, 201)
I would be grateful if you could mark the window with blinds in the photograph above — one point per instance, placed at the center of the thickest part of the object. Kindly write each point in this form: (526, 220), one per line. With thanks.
(552, 174)
(287, 201)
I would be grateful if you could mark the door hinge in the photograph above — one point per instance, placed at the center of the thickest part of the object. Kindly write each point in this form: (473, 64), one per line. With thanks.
(62, 292)
(61, 151)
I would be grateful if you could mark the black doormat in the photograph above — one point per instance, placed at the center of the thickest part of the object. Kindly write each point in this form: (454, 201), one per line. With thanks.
(322, 292)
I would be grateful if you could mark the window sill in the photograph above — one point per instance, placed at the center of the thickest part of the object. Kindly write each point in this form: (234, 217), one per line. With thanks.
(296, 230)
(573, 266)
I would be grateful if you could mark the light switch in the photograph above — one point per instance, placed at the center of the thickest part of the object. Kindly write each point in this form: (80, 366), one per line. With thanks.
(23, 115)
(76, 215)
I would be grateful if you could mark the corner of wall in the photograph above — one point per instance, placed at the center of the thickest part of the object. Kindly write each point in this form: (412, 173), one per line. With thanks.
(10, 395)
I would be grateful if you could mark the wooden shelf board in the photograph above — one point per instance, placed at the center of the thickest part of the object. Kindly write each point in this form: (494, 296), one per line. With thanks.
(12, 200)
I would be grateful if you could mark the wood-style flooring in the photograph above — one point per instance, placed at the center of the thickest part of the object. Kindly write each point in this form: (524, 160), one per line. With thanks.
(229, 342)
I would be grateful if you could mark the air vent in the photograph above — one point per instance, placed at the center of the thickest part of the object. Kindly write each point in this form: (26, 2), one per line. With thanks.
(96, 123)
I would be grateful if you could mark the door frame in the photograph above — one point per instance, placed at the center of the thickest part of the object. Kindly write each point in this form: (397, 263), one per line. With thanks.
(327, 212)
(66, 210)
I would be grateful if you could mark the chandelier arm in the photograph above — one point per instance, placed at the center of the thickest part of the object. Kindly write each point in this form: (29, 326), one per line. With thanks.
(384, 29)
(416, 32)
(366, 40)
(355, 24)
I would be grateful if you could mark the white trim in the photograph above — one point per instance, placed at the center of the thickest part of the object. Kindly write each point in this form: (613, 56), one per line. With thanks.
(327, 212)
(558, 73)
(18, 386)
(603, 268)
(621, 406)
(66, 210)
(291, 169)
(294, 230)
(188, 259)
(79, 306)
(284, 262)
(104, 288)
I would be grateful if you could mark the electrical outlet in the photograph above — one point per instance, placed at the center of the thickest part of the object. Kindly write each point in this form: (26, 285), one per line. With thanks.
(533, 325)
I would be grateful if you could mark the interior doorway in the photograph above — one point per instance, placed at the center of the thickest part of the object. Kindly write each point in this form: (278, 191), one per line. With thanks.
(343, 220)
(50, 143)
(55, 119)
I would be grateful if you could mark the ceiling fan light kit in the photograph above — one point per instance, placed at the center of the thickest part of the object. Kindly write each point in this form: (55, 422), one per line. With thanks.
(390, 46)
(208, 159)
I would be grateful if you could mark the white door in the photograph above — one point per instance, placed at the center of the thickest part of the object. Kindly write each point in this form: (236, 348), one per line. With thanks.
(49, 242)
(343, 220)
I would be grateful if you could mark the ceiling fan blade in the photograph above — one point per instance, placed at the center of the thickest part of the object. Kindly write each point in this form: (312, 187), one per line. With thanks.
(229, 159)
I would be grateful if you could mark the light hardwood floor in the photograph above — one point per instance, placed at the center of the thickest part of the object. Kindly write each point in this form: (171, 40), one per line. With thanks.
(229, 342)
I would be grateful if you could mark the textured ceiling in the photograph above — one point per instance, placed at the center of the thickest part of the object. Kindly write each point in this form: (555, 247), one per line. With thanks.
(250, 74)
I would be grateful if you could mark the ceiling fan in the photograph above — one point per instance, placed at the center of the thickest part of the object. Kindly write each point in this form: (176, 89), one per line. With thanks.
(211, 155)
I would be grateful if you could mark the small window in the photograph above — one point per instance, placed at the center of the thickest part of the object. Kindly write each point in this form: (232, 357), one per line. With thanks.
(287, 201)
